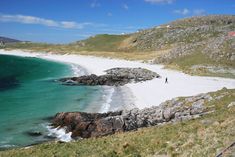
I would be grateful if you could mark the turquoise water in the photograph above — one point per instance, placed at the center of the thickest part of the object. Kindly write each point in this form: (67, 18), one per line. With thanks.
(29, 94)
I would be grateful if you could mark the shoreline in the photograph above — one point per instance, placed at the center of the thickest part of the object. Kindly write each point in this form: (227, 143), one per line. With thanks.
(122, 99)
(113, 98)
(144, 94)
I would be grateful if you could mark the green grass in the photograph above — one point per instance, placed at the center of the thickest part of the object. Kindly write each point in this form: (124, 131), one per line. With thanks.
(193, 59)
(188, 138)
(185, 64)
(102, 42)
(75, 49)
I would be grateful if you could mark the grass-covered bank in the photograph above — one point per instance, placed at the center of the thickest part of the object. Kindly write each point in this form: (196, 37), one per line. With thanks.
(200, 64)
(205, 136)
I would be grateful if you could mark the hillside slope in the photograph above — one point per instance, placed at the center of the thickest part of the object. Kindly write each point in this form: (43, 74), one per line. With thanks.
(181, 37)
(8, 40)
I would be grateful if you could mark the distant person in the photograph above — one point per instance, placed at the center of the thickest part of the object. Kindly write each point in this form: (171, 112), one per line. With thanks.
(166, 80)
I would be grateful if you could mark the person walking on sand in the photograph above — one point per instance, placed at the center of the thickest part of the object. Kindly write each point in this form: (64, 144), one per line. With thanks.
(166, 80)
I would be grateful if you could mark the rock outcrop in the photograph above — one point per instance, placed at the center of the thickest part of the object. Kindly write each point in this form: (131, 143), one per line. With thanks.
(87, 125)
(113, 77)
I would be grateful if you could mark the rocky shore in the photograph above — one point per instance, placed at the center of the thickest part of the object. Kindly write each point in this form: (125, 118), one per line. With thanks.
(87, 125)
(113, 77)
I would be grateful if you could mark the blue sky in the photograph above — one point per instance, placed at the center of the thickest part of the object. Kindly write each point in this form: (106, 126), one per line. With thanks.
(63, 21)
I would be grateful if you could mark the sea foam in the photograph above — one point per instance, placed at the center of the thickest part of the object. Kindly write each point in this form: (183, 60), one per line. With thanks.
(77, 70)
(106, 99)
(107, 91)
(59, 133)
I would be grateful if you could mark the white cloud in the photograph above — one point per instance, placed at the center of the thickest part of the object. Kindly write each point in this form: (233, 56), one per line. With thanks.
(159, 1)
(199, 12)
(41, 21)
(125, 6)
(95, 4)
(184, 11)
(27, 20)
(68, 24)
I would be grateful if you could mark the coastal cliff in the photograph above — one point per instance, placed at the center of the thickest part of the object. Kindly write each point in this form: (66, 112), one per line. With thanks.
(100, 124)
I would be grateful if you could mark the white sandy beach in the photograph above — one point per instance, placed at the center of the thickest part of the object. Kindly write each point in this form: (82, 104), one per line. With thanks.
(147, 93)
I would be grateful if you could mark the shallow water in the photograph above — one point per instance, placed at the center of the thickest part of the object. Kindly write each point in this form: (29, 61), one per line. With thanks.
(29, 94)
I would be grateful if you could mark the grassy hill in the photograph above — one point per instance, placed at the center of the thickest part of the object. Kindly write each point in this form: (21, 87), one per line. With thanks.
(204, 136)
(197, 45)
(102, 42)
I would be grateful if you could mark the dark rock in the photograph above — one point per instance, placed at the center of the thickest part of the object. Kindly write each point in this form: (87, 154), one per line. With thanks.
(34, 133)
(89, 124)
(114, 77)
(100, 124)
